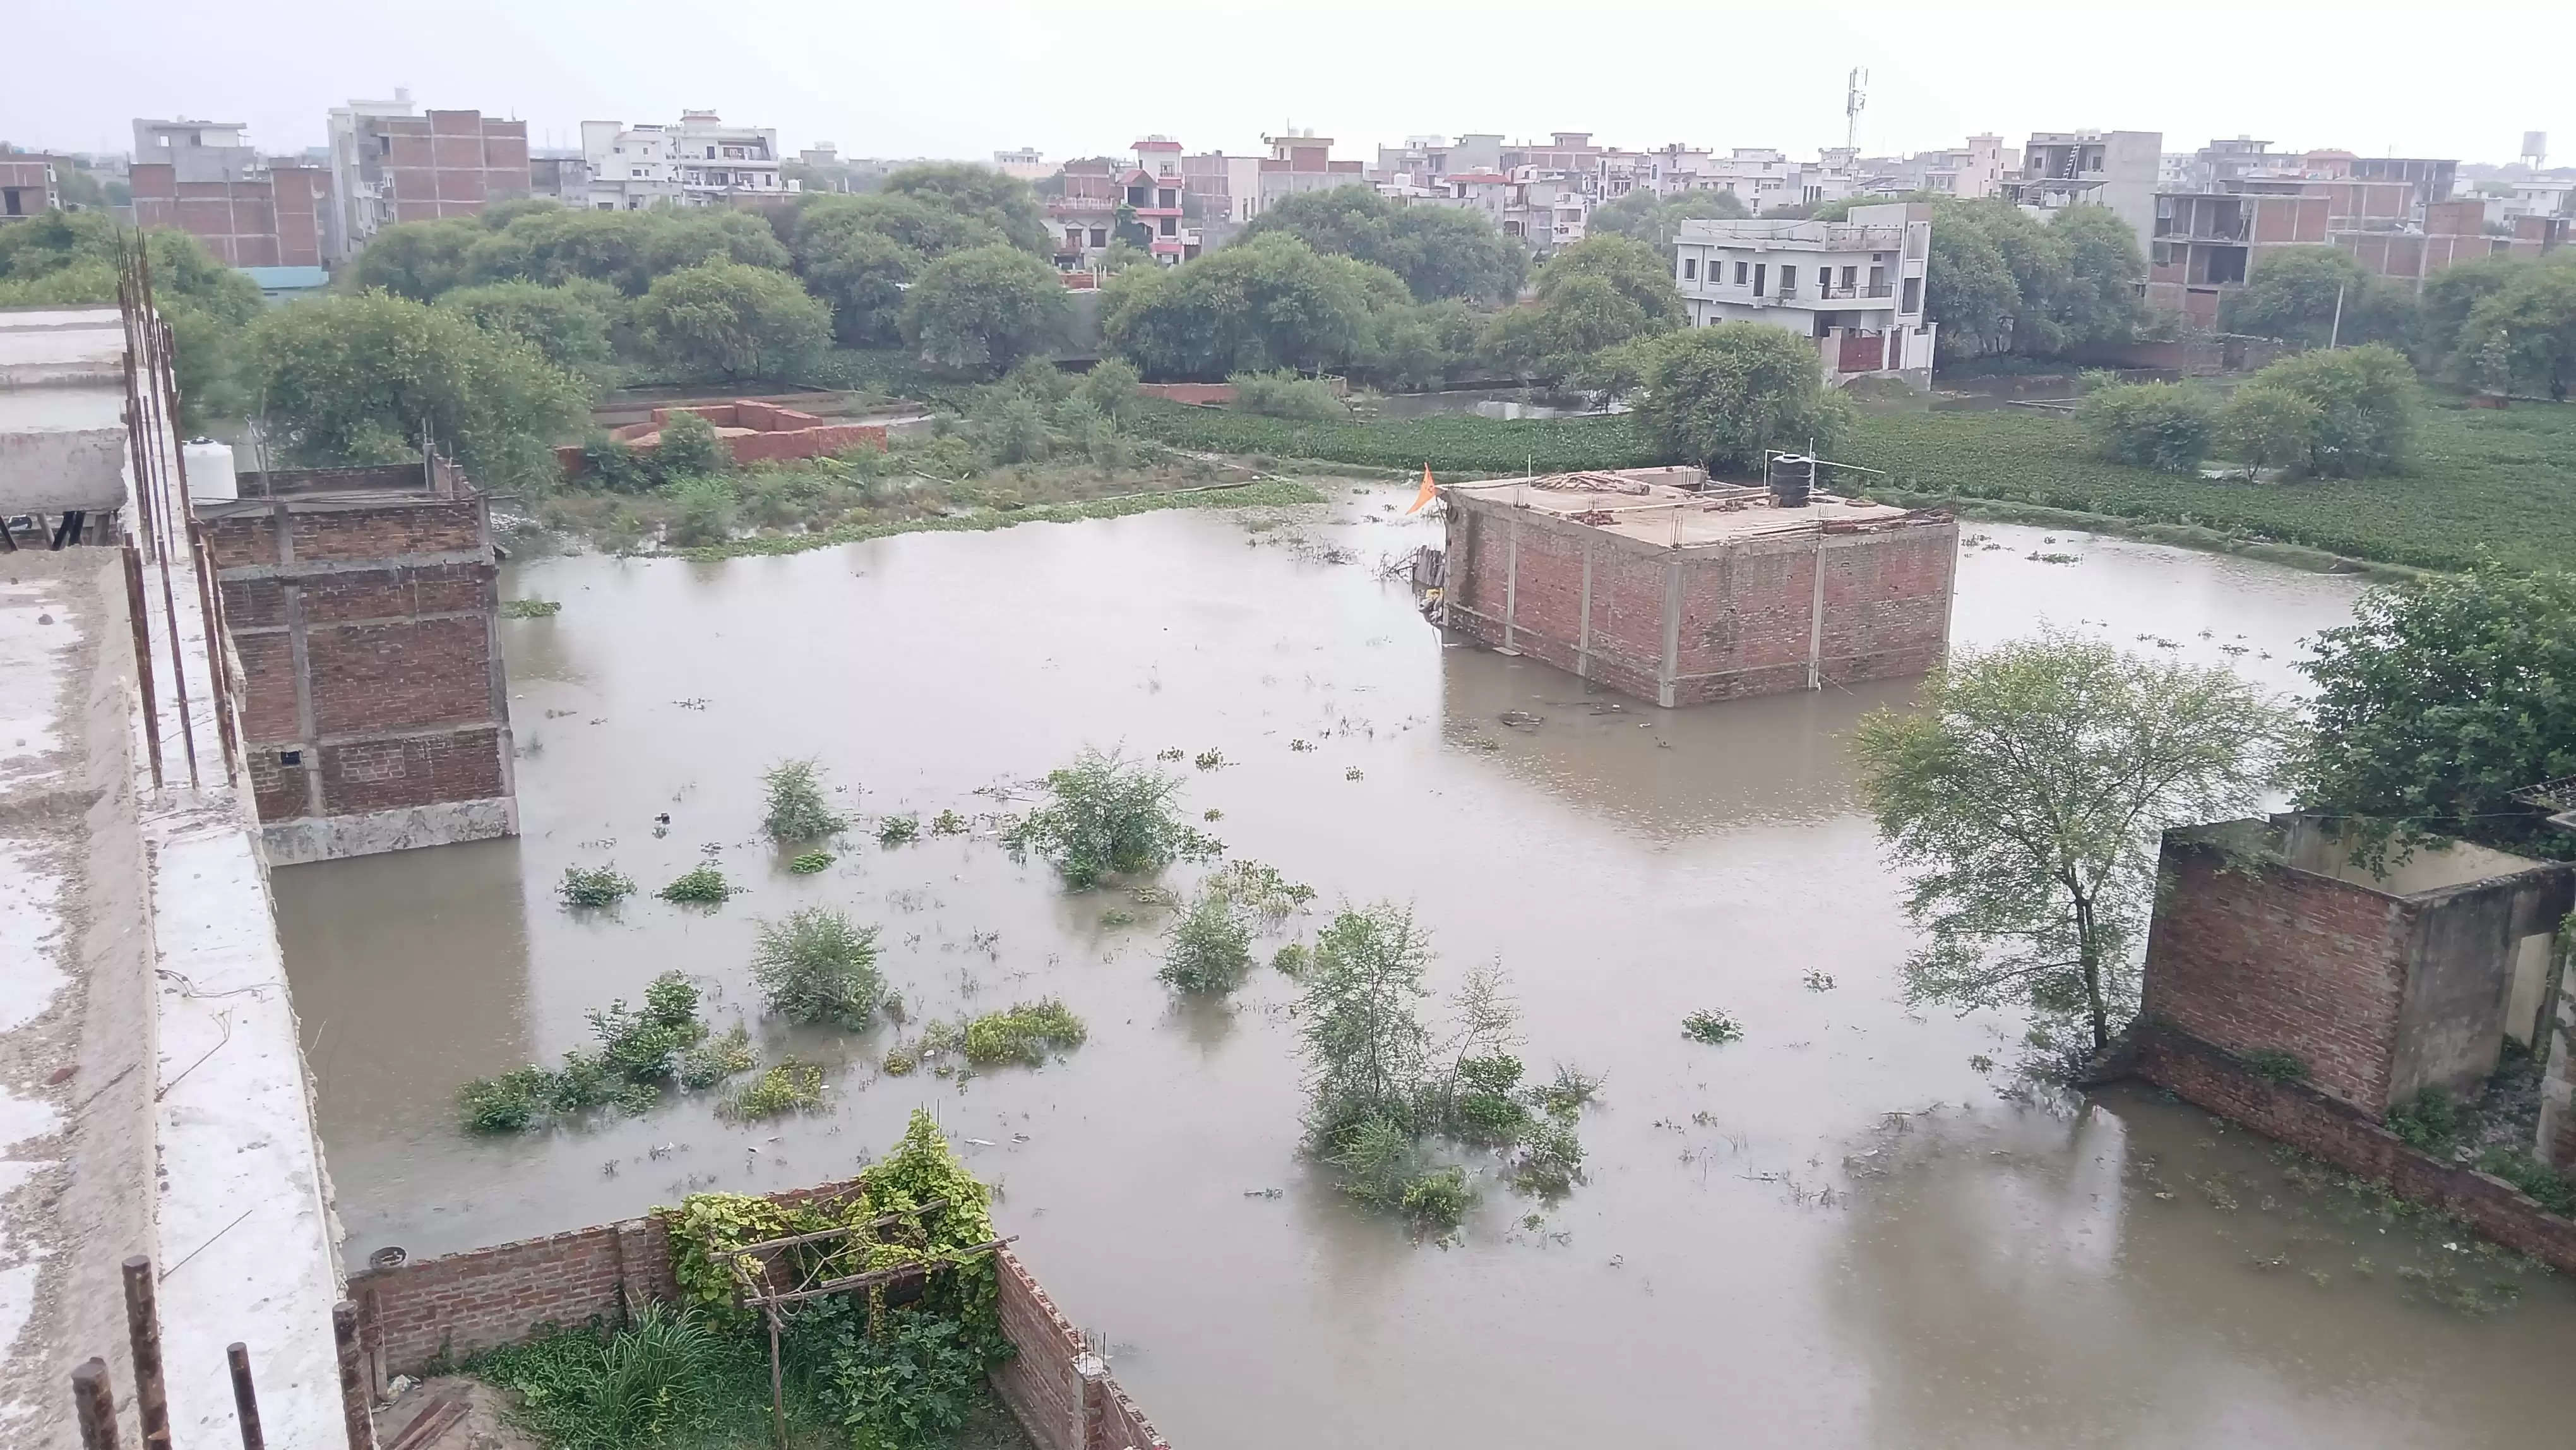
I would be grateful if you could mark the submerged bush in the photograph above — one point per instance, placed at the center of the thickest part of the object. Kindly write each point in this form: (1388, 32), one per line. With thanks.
(702, 885)
(601, 886)
(789, 1087)
(636, 1055)
(1714, 1028)
(1437, 1199)
(717, 1058)
(1107, 815)
(819, 966)
(1023, 1034)
(898, 830)
(798, 809)
(530, 608)
(1209, 946)
(809, 862)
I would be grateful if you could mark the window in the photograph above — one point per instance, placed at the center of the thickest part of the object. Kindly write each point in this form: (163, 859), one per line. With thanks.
(1788, 281)
(1851, 276)
(1913, 300)
(1100, 236)
(1740, 274)
(1690, 269)
(1168, 197)
(1171, 228)
(1758, 269)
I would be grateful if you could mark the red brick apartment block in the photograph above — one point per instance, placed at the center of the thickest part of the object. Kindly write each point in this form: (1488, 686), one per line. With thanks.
(446, 163)
(416, 1314)
(270, 219)
(2270, 937)
(1666, 588)
(27, 185)
(361, 604)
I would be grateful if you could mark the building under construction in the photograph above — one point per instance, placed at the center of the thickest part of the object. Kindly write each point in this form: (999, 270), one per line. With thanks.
(1665, 585)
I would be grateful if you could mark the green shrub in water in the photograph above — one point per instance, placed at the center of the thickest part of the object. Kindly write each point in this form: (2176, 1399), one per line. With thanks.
(1023, 1034)
(1209, 946)
(819, 966)
(702, 885)
(798, 808)
(601, 886)
(1106, 815)
(1714, 1028)
(789, 1087)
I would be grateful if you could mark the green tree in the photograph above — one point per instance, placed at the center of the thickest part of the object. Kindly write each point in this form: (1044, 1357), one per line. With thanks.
(2265, 425)
(1969, 291)
(1437, 251)
(1718, 396)
(2444, 696)
(70, 257)
(2447, 299)
(356, 379)
(1366, 1048)
(1001, 202)
(1424, 345)
(926, 226)
(1657, 220)
(418, 260)
(2526, 329)
(1256, 306)
(2097, 298)
(2365, 400)
(984, 309)
(625, 249)
(2026, 794)
(726, 320)
(569, 323)
(1635, 270)
(2164, 426)
(862, 275)
(1596, 294)
(2292, 294)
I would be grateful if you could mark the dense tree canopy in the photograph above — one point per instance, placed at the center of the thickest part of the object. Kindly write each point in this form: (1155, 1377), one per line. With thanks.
(2358, 420)
(1719, 396)
(569, 323)
(66, 257)
(418, 260)
(1597, 294)
(1438, 251)
(984, 309)
(859, 252)
(355, 379)
(1001, 202)
(1262, 304)
(2314, 295)
(2443, 307)
(1999, 280)
(2521, 337)
(722, 319)
(2444, 696)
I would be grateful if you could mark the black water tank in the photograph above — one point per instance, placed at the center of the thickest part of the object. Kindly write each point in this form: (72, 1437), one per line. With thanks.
(1791, 479)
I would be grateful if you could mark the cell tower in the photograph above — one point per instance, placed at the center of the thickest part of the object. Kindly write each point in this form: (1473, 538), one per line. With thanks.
(1855, 96)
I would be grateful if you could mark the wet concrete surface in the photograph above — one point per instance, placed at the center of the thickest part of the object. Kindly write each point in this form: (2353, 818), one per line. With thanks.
(1838, 1230)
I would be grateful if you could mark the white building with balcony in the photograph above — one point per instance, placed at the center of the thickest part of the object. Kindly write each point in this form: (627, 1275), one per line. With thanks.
(700, 161)
(1854, 287)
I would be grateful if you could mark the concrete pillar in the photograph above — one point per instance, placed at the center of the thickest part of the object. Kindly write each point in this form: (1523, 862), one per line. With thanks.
(2556, 1140)
(1511, 581)
(1091, 1376)
(1583, 636)
(1671, 665)
(1816, 620)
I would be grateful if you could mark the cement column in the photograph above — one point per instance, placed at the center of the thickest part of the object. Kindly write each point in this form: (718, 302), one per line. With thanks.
(1816, 621)
(1672, 630)
(1511, 583)
(2556, 1145)
(1583, 637)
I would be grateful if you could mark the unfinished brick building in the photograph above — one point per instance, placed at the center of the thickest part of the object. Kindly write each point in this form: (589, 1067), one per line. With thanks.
(362, 605)
(1662, 586)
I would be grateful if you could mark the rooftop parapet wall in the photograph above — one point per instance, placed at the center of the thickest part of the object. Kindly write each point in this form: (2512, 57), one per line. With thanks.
(1679, 594)
(2271, 937)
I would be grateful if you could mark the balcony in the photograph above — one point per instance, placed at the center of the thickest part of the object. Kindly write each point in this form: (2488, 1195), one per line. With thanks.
(1855, 293)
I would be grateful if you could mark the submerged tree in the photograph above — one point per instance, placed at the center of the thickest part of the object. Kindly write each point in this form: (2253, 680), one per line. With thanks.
(2026, 797)
(819, 966)
(1107, 815)
(1366, 1047)
(797, 810)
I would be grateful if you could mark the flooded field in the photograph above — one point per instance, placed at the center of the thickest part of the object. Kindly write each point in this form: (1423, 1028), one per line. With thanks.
(1838, 1231)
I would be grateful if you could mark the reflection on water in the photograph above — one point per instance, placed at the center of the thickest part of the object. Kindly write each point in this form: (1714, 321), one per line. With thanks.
(1721, 1277)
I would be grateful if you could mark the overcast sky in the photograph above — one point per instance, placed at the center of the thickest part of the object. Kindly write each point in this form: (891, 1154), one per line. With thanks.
(963, 77)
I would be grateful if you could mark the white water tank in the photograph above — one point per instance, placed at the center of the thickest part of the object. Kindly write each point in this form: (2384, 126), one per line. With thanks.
(210, 471)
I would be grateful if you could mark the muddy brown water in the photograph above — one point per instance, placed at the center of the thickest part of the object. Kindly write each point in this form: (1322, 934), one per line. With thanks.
(1836, 1231)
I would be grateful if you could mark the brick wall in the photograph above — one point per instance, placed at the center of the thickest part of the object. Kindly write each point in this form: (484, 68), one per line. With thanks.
(413, 1315)
(366, 637)
(2297, 1114)
(2262, 957)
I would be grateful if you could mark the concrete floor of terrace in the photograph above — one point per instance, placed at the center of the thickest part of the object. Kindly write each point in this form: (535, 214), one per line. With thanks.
(153, 1099)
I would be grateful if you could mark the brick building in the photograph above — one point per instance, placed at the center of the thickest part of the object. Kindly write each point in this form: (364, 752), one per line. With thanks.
(2204, 244)
(389, 165)
(2273, 938)
(1672, 590)
(272, 216)
(362, 604)
(27, 186)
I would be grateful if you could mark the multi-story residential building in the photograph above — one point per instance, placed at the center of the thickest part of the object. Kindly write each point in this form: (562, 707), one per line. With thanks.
(206, 179)
(1855, 287)
(27, 186)
(1417, 167)
(2205, 244)
(562, 175)
(1138, 198)
(1564, 153)
(1221, 192)
(2541, 196)
(699, 161)
(389, 165)
(1303, 161)
(1024, 162)
(2452, 232)
(1967, 172)
(2114, 169)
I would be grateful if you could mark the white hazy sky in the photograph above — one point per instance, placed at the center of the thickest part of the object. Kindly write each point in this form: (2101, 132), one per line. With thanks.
(963, 77)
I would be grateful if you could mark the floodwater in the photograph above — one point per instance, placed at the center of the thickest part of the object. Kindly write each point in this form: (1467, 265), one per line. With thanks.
(1502, 403)
(1837, 1231)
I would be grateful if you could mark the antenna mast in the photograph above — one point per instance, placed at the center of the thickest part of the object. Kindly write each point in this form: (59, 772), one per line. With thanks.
(1855, 96)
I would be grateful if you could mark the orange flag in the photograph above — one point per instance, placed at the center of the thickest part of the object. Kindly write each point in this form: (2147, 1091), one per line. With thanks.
(1427, 494)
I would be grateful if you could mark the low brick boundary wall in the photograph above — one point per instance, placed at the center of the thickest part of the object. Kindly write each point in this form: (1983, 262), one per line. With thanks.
(416, 1315)
(2214, 1079)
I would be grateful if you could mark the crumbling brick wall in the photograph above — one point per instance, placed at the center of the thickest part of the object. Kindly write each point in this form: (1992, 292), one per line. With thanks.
(2303, 1117)
(2260, 958)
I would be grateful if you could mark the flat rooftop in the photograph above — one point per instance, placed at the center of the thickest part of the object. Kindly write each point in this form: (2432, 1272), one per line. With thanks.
(1642, 505)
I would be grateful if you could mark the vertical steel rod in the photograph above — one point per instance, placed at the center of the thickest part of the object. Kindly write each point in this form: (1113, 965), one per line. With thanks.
(95, 1403)
(143, 1330)
(245, 1399)
(210, 602)
(357, 1414)
(139, 615)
